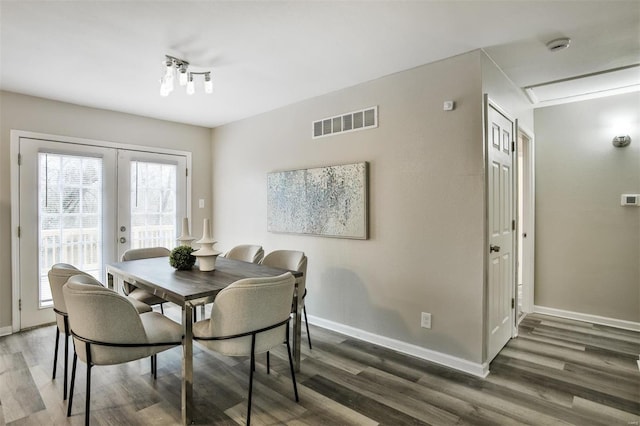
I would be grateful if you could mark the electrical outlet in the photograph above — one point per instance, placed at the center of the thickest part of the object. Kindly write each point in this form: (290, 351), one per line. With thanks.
(425, 320)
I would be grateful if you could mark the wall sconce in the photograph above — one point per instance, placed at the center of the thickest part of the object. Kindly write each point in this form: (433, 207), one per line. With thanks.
(621, 141)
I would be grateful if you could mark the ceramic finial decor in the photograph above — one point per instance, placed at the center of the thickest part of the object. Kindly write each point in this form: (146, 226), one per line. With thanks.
(206, 255)
(185, 239)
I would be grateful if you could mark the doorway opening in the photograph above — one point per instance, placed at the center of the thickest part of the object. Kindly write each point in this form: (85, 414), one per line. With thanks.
(525, 224)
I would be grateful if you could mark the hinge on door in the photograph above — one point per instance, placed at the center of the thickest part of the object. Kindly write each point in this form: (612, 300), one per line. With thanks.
(19, 159)
(19, 304)
(186, 172)
(513, 146)
(513, 225)
(19, 232)
(513, 303)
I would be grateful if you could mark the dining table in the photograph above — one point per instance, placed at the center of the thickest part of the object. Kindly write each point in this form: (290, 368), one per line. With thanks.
(192, 288)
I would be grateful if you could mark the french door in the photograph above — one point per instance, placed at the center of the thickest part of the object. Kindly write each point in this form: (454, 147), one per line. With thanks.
(85, 205)
(152, 199)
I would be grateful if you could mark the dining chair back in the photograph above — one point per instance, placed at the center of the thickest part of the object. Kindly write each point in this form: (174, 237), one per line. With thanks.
(138, 293)
(246, 253)
(58, 276)
(248, 317)
(293, 260)
(107, 329)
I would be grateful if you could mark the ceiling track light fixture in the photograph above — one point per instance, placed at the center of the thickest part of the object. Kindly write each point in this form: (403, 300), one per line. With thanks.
(179, 68)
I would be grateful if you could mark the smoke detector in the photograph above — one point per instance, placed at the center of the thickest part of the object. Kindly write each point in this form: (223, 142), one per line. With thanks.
(559, 44)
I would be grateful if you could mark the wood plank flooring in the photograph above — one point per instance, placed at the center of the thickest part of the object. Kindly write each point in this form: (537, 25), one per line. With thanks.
(557, 372)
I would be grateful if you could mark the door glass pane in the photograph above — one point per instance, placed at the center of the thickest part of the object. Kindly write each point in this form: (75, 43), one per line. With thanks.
(70, 215)
(153, 204)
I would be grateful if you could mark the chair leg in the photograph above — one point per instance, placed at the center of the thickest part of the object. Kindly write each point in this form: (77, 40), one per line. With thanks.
(87, 405)
(306, 323)
(55, 354)
(253, 359)
(154, 366)
(88, 401)
(73, 381)
(162, 308)
(66, 362)
(293, 374)
(67, 334)
(268, 364)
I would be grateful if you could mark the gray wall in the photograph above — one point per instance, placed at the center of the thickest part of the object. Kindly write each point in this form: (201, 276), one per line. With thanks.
(587, 245)
(22, 112)
(425, 252)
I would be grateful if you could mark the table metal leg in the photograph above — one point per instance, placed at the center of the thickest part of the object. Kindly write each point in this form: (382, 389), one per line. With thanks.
(187, 364)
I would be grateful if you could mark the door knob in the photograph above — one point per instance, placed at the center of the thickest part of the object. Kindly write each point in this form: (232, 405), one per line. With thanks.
(123, 240)
(493, 248)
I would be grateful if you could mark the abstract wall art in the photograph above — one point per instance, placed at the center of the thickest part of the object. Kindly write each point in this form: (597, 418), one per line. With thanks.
(327, 201)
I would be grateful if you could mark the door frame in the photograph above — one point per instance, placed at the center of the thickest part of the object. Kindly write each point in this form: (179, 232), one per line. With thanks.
(529, 211)
(487, 103)
(14, 150)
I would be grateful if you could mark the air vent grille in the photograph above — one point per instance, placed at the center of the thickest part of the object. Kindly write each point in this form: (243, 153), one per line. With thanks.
(350, 122)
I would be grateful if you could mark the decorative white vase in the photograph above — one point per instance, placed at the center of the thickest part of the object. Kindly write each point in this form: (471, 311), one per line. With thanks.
(206, 255)
(185, 239)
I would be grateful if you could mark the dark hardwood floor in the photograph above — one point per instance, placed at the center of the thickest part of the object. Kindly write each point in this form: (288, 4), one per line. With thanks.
(557, 372)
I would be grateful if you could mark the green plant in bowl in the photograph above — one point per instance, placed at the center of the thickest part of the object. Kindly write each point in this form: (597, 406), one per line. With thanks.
(181, 258)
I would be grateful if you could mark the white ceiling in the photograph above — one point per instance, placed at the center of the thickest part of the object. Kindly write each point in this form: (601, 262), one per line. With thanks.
(267, 54)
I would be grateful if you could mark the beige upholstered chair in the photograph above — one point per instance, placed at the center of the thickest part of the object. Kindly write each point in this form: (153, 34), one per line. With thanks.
(58, 276)
(138, 293)
(294, 261)
(250, 316)
(246, 253)
(107, 329)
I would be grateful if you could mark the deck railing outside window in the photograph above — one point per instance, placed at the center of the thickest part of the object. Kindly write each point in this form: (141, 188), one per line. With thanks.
(81, 248)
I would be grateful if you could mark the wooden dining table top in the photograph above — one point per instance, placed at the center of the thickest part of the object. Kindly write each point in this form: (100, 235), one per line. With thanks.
(180, 286)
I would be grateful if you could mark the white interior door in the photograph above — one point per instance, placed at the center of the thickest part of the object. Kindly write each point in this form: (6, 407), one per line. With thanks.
(64, 217)
(79, 201)
(501, 270)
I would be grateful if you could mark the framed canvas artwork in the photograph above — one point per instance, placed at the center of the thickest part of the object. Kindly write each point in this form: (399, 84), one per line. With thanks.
(327, 201)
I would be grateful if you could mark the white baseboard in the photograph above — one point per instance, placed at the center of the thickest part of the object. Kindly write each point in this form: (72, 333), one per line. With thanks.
(5, 331)
(611, 322)
(480, 370)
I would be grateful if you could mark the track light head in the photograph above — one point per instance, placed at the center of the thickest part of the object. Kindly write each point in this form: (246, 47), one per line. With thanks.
(208, 84)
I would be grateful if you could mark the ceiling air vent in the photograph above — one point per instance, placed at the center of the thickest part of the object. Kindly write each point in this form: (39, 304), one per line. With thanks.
(350, 122)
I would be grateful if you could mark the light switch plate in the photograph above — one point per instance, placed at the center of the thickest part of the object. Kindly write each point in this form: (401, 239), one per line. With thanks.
(425, 320)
